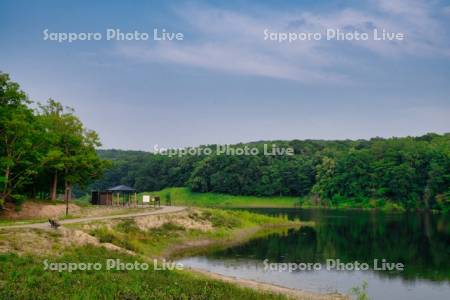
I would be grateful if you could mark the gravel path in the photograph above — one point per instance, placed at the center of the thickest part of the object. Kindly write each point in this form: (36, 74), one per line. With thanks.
(163, 210)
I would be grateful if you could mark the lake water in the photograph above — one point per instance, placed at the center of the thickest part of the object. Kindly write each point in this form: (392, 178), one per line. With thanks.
(420, 241)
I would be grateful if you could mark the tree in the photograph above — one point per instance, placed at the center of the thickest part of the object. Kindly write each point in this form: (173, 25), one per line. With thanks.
(71, 150)
(36, 145)
(21, 138)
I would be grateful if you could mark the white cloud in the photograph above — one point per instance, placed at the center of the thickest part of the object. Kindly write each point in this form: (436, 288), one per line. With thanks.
(234, 42)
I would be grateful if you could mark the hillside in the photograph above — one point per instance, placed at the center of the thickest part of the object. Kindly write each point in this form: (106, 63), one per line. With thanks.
(413, 172)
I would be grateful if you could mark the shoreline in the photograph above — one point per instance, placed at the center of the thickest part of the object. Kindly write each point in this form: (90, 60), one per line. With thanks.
(187, 245)
(240, 236)
(270, 287)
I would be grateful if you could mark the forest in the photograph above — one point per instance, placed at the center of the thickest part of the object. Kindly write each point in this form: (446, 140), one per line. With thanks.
(45, 150)
(412, 172)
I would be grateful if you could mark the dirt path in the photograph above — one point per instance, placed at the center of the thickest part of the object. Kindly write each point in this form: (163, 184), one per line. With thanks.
(163, 210)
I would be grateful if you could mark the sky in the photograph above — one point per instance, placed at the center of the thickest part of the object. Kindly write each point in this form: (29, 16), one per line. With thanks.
(225, 82)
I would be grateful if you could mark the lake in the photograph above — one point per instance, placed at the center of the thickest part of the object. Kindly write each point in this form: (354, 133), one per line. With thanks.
(419, 241)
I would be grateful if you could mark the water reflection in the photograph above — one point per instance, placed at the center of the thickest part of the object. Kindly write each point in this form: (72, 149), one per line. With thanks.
(418, 240)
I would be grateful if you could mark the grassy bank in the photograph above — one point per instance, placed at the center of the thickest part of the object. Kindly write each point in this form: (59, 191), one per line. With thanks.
(192, 231)
(24, 277)
(183, 196)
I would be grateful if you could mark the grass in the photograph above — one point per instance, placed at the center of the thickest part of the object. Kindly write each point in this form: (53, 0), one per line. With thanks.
(183, 196)
(24, 277)
(164, 240)
(20, 222)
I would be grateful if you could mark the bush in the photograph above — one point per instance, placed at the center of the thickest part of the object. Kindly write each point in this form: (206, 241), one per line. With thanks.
(103, 235)
(172, 227)
(392, 206)
(220, 218)
(337, 200)
(18, 199)
(168, 198)
(127, 226)
(443, 202)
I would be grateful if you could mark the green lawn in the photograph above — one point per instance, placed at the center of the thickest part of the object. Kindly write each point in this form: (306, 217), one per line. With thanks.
(183, 196)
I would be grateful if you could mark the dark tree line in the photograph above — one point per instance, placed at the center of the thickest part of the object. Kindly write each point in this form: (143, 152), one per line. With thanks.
(412, 171)
(44, 149)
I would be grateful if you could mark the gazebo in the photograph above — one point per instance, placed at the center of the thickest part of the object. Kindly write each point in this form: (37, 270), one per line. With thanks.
(120, 195)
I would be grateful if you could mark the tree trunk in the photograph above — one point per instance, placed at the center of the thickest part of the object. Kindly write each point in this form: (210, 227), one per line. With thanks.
(67, 195)
(5, 188)
(54, 186)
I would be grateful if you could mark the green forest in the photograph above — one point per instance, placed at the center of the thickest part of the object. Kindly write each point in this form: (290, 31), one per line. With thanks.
(46, 151)
(411, 172)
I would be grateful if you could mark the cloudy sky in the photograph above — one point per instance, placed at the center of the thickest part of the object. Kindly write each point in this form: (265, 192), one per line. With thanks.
(224, 82)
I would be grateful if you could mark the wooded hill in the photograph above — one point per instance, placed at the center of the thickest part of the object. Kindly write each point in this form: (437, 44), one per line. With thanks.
(413, 172)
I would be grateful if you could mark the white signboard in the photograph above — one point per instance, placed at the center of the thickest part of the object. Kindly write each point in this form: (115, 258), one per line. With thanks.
(146, 199)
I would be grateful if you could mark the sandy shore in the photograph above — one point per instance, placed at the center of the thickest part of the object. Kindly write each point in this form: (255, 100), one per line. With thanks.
(291, 293)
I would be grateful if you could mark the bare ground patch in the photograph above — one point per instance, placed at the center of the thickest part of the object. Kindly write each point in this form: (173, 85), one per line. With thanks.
(36, 210)
(45, 242)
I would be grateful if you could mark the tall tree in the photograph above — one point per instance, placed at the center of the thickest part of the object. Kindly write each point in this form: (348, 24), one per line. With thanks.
(21, 138)
(71, 154)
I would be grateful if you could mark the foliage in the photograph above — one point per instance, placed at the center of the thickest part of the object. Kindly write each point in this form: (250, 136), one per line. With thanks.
(43, 152)
(410, 172)
(360, 292)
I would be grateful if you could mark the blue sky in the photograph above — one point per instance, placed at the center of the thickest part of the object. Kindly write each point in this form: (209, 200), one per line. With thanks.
(224, 83)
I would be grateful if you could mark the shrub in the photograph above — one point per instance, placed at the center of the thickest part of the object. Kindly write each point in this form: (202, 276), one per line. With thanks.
(103, 234)
(127, 226)
(170, 226)
(18, 199)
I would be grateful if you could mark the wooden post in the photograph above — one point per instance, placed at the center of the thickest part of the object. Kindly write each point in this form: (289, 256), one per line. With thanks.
(135, 199)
